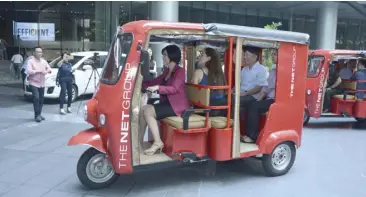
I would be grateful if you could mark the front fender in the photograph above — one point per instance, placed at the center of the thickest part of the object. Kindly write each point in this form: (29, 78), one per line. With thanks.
(89, 137)
(277, 137)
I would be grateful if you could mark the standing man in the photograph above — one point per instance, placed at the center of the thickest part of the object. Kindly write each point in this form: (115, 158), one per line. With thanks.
(253, 77)
(261, 105)
(37, 69)
(17, 61)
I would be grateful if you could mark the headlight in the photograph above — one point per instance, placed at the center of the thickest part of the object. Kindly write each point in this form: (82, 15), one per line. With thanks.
(308, 92)
(85, 112)
(101, 119)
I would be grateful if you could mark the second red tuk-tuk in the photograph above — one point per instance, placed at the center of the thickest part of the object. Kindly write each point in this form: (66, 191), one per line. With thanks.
(114, 109)
(321, 64)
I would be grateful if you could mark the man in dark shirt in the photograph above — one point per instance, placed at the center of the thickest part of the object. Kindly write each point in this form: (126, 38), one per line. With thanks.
(333, 83)
(360, 75)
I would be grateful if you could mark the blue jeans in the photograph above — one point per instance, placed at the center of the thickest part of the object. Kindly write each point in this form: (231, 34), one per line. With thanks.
(65, 85)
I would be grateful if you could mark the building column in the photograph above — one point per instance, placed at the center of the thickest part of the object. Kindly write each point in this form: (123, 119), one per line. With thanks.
(326, 25)
(167, 11)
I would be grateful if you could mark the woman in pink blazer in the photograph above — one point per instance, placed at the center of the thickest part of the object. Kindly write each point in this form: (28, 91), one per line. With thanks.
(173, 98)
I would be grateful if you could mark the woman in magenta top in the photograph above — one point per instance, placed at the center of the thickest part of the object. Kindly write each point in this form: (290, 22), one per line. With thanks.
(173, 98)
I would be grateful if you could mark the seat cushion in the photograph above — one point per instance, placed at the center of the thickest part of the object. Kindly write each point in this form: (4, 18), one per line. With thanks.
(348, 97)
(194, 122)
(219, 122)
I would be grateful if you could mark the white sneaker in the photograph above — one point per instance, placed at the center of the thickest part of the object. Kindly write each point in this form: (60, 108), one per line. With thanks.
(62, 111)
(69, 110)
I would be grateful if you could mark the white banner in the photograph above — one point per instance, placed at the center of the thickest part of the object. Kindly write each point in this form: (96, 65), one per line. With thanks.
(30, 31)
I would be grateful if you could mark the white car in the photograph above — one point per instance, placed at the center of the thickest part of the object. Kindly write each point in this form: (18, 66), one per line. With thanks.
(82, 76)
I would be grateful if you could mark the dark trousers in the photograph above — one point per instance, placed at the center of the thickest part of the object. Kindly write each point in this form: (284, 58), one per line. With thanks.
(23, 76)
(327, 96)
(17, 70)
(252, 117)
(245, 102)
(38, 98)
(65, 85)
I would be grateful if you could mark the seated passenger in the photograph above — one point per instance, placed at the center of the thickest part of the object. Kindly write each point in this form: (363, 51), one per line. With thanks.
(360, 74)
(253, 77)
(346, 70)
(173, 99)
(333, 83)
(261, 105)
(209, 73)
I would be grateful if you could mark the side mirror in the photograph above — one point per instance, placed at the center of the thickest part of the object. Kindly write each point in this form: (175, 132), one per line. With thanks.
(144, 65)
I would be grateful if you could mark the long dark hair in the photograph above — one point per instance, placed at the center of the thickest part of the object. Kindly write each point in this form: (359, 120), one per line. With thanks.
(215, 75)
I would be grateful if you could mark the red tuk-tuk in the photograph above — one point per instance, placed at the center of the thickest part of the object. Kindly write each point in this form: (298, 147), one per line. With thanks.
(320, 64)
(114, 109)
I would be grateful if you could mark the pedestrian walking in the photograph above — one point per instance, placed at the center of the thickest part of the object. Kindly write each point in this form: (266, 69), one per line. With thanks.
(64, 78)
(37, 69)
(17, 61)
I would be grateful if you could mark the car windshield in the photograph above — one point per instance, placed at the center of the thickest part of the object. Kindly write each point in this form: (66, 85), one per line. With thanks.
(76, 59)
(116, 59)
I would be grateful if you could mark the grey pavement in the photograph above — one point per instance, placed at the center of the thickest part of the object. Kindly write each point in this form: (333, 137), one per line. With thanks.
(36, 162)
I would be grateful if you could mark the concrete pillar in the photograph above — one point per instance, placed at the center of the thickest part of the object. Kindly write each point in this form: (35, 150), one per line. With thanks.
(326, 25)
(167, 11)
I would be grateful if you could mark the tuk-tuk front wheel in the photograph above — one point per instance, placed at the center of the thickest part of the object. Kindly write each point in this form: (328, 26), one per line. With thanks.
(94, 170)
(280, 161)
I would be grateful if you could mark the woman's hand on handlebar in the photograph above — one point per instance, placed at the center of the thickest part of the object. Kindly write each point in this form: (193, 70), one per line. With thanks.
(153, 88)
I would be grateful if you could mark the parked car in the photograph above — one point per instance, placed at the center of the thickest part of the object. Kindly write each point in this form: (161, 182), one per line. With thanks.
(85, 81)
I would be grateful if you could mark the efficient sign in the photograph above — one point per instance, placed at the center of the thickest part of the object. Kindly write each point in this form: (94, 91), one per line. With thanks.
(30, 31)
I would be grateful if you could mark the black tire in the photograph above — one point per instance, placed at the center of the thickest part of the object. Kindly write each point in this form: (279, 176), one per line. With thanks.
(267, 160)
(361, 120)
(74, 89)
(82, 173)
(306, 118)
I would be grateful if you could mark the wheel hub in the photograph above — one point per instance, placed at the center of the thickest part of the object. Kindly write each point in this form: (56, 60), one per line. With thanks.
(281, 157)
(99, 169)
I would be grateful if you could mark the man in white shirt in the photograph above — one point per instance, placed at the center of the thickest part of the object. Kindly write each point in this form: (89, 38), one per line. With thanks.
(253, 77)
(17, 61)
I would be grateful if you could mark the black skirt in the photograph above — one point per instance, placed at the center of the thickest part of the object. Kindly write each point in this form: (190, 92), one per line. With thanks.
(163, 110)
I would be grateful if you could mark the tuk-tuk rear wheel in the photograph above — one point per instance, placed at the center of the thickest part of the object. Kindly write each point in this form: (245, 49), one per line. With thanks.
(94, 171)
(280, 161)
(306, 117)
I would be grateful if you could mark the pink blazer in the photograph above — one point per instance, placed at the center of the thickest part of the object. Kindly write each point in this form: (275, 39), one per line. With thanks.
(175, 89)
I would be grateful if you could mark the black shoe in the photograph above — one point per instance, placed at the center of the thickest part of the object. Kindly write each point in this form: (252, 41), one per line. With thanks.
(38, 119)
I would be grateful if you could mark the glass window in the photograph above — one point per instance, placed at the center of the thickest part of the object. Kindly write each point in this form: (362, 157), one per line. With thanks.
(315, 63)
(117, 58)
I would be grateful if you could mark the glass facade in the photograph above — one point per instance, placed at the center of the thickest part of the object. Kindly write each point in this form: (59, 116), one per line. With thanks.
(83, 26)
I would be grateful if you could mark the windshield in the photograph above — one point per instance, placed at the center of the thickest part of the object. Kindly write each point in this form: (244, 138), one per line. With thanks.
(76, 59)
(314, 65)
(117, 57)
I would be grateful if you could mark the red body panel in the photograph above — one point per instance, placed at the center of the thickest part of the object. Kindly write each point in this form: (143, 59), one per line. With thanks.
(89, 137)
(316, 85)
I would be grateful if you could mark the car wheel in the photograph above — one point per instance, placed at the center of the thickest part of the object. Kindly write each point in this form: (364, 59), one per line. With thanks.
(280, 161)
(74, 93)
